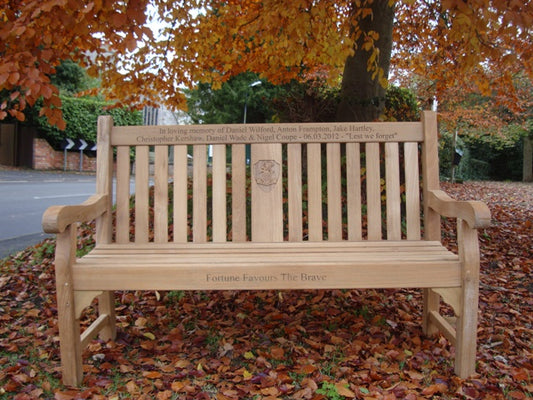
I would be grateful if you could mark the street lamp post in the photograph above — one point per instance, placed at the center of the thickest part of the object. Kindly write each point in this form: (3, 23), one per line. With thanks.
(251, 85)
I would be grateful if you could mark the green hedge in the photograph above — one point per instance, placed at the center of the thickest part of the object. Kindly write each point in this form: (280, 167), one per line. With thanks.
(482, 159)
(81, 115)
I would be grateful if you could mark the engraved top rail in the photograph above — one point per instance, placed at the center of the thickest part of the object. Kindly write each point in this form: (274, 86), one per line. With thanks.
(268, 133)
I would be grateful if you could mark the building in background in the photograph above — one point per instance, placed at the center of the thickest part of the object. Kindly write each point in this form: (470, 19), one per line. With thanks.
(163, 116)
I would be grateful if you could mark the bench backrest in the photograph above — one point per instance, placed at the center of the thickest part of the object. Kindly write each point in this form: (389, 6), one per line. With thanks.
(362, 179)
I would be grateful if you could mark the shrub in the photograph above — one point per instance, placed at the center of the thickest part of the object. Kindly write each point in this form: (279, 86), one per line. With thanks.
(81, 115)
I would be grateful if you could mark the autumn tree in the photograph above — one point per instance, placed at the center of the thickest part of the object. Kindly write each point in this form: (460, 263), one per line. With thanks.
(343, 42)
(496, 120)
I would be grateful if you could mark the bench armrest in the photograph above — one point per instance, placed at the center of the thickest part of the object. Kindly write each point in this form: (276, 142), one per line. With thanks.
(475, 213)
(57, 218)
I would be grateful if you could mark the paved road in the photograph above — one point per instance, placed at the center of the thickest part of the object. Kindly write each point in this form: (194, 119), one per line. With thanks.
(26, 194)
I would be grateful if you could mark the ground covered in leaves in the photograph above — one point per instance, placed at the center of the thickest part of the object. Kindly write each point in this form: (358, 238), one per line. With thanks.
(363, 344)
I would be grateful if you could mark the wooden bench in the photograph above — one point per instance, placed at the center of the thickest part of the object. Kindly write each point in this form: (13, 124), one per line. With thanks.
(376, 186)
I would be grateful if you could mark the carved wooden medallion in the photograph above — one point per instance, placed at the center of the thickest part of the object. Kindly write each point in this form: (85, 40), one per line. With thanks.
(266, 174)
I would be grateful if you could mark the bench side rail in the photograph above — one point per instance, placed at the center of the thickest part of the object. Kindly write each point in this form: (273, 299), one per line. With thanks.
(236, 183)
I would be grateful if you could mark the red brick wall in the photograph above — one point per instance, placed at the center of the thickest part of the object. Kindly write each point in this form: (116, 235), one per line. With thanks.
(45, 157)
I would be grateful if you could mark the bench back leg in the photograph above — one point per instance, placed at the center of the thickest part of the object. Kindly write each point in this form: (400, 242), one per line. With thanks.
(68, 321)
(430, 180)
(106, 306)
(431, 303)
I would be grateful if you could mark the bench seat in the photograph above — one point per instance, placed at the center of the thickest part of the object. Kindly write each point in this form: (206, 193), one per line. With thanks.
(325, 265)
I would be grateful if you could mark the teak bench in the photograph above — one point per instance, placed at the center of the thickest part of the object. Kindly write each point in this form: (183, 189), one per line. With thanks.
(376, 186)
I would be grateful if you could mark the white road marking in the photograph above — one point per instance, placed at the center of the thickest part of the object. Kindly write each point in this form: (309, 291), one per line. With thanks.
(58, 196)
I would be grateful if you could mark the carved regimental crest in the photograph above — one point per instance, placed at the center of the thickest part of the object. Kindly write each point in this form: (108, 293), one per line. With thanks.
(266, 174)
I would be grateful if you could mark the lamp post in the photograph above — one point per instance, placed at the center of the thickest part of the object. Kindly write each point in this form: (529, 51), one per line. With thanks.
(251, 85)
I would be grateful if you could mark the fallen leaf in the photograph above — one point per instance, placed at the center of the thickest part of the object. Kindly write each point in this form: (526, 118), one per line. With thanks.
(277, 353)
(132, 387)
(343, 389)
(152, 374)
(435, 388)
(307, 369)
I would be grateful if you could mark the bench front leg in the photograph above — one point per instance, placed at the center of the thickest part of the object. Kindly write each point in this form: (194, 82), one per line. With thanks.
(466, 330)
(68, 321)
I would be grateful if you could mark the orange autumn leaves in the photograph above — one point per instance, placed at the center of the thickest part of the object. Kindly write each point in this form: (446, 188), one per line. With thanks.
(447, 42)
(36, 35)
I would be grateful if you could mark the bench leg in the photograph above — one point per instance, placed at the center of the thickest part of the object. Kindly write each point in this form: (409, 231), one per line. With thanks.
(431, 303)
(466, 331)
(106, 306)
(69, 324)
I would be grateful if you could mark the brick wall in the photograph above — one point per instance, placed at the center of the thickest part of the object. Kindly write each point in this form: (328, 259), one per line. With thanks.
(45, 157)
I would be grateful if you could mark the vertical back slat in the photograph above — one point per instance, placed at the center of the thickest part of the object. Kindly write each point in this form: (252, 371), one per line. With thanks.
(141, 194)
(161, 194)
(123, 195)
(392, 181)
(267, 193)
(199, 208)
(333, 151)
(219, 193)
(314, 191)
(238, 192)
(353, 190)
(412, 191)
(294, 160)
(373, 191)
(180, 194)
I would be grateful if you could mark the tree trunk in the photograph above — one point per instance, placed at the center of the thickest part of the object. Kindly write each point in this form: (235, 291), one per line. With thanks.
(363, 98)
(527, 175)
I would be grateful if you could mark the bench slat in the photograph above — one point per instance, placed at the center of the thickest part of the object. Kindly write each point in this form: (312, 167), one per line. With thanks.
(412, 191)
(392, 180)
(314, 192)
(123, 195)
(161, 194)
(294, 182)
(353, 190)
(238, 192)
(334, 191)
(180, 194)
(373, 191)
(342, 132)
(323, 275)
(308, 246)
(236, 257)
(199, 207)
(141, 194)
(267, 193)
(219, 193)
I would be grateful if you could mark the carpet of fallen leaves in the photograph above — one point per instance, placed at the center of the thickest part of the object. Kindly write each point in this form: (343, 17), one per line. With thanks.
(363, 344)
